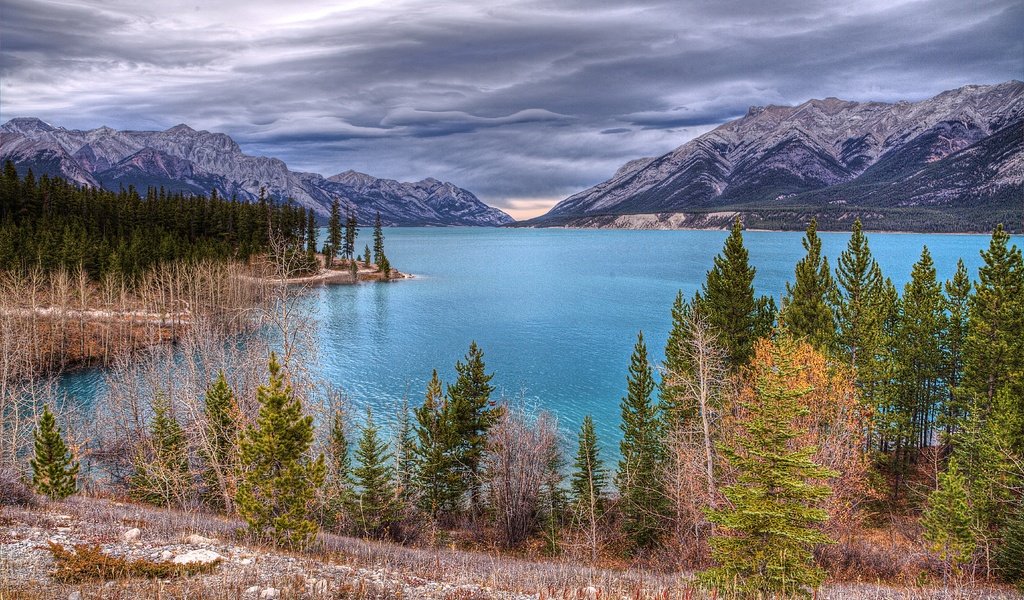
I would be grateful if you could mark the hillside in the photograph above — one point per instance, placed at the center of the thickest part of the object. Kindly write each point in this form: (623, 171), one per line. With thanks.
(954, 162)
(182, 159)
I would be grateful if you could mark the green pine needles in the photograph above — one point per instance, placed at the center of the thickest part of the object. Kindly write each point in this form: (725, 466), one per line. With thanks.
(375, 504)
(279, 479)
(765, 538)
(806, 310)
(54, 470)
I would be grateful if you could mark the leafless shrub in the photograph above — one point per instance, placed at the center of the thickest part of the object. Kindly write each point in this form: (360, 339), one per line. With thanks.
(14, 491)
(517, 467)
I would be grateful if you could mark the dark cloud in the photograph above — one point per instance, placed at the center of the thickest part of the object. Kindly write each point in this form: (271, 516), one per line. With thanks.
(520, 101)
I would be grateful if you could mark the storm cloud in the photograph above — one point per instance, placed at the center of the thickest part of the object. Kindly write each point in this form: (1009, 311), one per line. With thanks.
(522, 102)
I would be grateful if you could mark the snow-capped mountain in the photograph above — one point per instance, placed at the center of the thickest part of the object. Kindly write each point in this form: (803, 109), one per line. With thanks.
(952, 162)
(183, 159)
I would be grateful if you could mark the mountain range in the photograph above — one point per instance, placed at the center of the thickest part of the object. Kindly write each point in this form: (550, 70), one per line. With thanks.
(182, 159)
(954, 162)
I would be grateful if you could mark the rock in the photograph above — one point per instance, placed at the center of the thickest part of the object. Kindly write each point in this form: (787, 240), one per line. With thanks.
(166, 555)
(131, 535)
(270, 594)
(75, 595)
(252, 590)
(245, 561)
(197, 556)
(199, 540)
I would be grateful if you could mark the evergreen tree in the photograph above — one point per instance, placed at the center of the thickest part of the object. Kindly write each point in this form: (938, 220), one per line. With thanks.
(728, 302)
(918, 361)
(589, 477)
(472, 415)
(334, 236)
(375, 503)
(311, 235)
(948, 519)
(765, 539)
(405, 445)
(221, 414)
(54, 470)
(339, 460)
(351, 232)
(958, 298)
(644, 505)
(163, 477)
(279, 480)
(436, 476)
(676, 367)
(384, 266)
(806, 310)
(994, 348)
(367, 257)
(378, 241)
(1010, 557)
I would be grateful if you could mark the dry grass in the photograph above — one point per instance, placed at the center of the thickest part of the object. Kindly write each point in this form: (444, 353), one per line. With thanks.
(88, 561)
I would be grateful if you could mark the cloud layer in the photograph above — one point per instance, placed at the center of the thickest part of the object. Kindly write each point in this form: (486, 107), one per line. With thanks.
(523, 102)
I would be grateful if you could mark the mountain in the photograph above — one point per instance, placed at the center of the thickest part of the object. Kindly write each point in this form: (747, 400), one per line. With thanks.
(182, 159)
(954, 162)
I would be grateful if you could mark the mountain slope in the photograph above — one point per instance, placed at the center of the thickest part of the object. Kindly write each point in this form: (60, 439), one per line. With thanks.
(182, 159)
(953, 162)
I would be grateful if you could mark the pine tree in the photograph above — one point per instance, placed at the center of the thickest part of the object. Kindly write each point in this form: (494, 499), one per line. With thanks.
(221, 414)
(351, 232)
(384, 266)
(765, 539)
(994, 348)
(405, 444)
(378, 241)
(806, 311)
(918, 361)
(311, 233)
(644, 505)
(1010, 557)
(375, 503)
(436, 476)
(957, 304)
(334, 236)
(279, 480)
(472, 416)
(728, 302)
(163, 476)
(948, 519)
(589, 476)
(676, 366)
(367, 257)
(54, 470)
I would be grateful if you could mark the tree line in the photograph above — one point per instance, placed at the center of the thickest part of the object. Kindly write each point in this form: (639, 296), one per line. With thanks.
(770, 439)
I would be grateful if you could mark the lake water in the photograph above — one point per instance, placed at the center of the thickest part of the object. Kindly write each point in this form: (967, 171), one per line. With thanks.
(556, 312)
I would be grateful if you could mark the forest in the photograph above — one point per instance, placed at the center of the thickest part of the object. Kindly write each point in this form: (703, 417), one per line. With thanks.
(856, 431)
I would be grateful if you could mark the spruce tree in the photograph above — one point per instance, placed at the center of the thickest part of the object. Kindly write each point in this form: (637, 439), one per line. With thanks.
(375, 503)
(589, 477)
(639, 477)
(378, 241)
(994, 348)
(54, 470)
(957, 303)
(472, 414)
(948, 519)
(311, 233)
(334, 236)
(858, 309)
(405, 444)
(436, 477)
(676, 366)
(338, 482)
(727, 300)
(765, 539)
(806, 310)
(351, 232)
(367, 257)
(221, 414)
(1010, 557)
(279, 479)
(163, 476)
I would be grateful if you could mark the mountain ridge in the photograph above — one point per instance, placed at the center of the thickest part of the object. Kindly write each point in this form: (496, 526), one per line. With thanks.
(839, 159)
(192, 161)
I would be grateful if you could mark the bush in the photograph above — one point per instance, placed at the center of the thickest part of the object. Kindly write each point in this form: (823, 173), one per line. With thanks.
(13, 490)
(88, 561)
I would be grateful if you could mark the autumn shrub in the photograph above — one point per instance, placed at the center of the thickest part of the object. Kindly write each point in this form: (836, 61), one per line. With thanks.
(13, 489)
(88, 561)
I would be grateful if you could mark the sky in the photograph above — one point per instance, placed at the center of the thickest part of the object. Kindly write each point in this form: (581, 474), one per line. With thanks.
(521, 102)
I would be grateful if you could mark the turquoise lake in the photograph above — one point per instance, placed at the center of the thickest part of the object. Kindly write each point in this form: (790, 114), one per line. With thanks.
(555, 311)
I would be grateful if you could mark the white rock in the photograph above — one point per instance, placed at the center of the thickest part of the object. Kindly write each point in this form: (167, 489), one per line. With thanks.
(166, 555)
(75, 595)
(131, 535)
(197, 556)
(270, 594)
(245, 561)
(199, 540)
(252, 590)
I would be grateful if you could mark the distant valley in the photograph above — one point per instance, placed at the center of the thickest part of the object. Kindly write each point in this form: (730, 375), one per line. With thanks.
(197, 162)
(951, 163)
